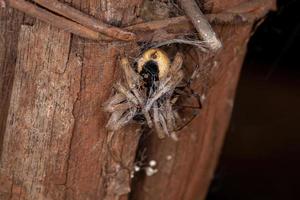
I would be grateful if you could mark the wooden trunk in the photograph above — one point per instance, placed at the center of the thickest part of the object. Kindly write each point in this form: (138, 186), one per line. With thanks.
(53, 140)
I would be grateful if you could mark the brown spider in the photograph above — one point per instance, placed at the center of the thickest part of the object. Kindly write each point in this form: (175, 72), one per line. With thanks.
(148, 93)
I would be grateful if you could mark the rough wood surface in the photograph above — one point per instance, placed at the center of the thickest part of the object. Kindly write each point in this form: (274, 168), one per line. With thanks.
(53, 142)
(10, 22)
(40, 118)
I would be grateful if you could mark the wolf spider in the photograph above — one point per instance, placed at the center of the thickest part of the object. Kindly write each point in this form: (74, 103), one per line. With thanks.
(149, 93)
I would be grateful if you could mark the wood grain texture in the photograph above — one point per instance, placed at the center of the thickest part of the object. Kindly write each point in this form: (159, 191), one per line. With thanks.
(10, 22)
(40, 115)
(94, 173)
(55, 145)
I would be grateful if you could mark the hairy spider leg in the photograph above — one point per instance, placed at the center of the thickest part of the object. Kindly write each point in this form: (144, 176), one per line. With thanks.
(189, 94)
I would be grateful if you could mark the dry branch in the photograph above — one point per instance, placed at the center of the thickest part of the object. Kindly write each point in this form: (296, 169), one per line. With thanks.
(244, 13)
(55, 20)
(202, 26)
(88, 27)
(84, 19)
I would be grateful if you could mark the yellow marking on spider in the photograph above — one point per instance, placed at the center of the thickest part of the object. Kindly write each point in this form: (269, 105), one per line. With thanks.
(159, 57)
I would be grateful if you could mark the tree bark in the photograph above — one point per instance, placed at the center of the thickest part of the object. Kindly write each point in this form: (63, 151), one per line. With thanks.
(53, 141)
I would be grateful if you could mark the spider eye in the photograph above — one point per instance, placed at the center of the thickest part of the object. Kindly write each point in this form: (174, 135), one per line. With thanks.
(154, 56)
(159, 58)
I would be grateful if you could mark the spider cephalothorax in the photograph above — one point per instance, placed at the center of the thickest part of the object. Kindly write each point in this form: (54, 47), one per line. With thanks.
(148, 92)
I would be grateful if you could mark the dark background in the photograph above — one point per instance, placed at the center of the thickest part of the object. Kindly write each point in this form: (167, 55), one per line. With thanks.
(261, 154)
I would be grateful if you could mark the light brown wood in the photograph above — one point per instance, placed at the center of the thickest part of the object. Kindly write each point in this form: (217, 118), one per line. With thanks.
(53, 142)
(55, 145)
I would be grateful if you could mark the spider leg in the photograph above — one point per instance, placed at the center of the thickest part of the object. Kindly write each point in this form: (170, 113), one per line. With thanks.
(169, 83)
(132, 98)
(156, 118)
(171, 123)
(166, 123)
(142, 103)
(144, 111)
(177, 76)
(120, 118)
(166, 86)
(163, 123)
(132, 78)
(185, 123)
(123, 112)
(156, 95)
(167, 126)
(176, 64)
(178, 119)
(120, 107)
(134, 82)
(182, 88)
(117, 102)
(123, 90)
(181, 123)
(188, 94)
(194, 75)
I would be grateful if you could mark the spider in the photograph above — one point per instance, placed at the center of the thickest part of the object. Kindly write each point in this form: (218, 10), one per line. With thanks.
(148, 93)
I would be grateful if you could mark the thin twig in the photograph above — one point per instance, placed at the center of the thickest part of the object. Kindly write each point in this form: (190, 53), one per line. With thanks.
(202, 26)
(243, 13)
(55, 20)
(160, 24)
(184, 22)
(240, 14)
(200, 44)
(86, 20)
